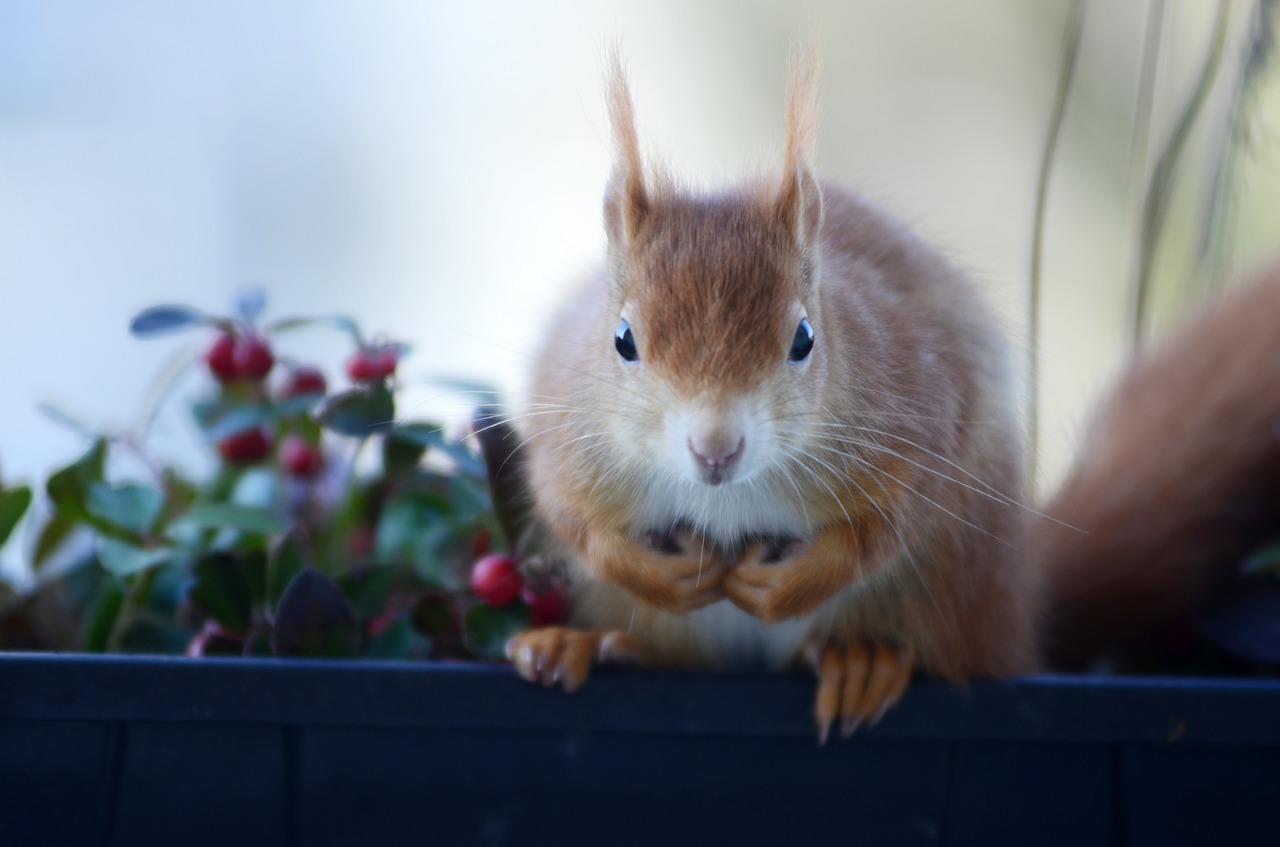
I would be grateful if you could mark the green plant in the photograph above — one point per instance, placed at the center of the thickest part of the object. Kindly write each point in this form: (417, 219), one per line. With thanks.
(298, 542)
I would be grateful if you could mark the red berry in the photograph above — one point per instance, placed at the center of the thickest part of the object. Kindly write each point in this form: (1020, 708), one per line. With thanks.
(495, 579)
(360, 367)
(369, 364)
(384, 362)
(299, 457)
(304, 380)
(547, 608)
(221, 358)
(253, 357)
(245, 447)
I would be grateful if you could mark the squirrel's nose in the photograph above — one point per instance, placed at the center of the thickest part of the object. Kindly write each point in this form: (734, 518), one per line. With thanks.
(716, 454)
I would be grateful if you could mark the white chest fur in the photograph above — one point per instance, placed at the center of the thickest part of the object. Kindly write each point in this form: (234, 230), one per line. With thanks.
(725, 514)
(737, 639)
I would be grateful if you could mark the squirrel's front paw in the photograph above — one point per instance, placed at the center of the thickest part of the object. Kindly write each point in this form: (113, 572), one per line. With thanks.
(678, 571)
(858, 683)
(775, 579)
(555, 655)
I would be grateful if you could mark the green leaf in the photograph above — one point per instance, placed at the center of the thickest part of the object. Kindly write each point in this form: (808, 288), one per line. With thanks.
(54, 532)
(464, 459)
(285, 561)
(155, 636)
(254, 562)
(423, 435)
(69, 487)
(403, 445)
(180, 494)
(360, 412)
(471, 500)
(219, 421)
(169, 587)
(399, 640)
(131, 506)
(314, 619)
(415, 528)
(257, 488)
(367, 590)
(1265, 560)
(300, 405)
(222, 591)
(228, 417)
(432, 614)
(488, 629)
(13, 505)
(100, 617)
(159, 320)
(123, 559)
(401, 524)
(250, 519)
(505, 470)
(441, 549)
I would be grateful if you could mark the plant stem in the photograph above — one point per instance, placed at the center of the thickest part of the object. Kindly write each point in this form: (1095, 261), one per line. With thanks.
(137, 591)
(1160, 188)
(1218, 218)
(1075, 27)
(1140, 142)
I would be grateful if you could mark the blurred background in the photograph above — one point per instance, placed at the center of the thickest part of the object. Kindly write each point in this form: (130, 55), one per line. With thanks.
(434, 169)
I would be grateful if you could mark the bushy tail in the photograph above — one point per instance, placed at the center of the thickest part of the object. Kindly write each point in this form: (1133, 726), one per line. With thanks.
(1179, 478)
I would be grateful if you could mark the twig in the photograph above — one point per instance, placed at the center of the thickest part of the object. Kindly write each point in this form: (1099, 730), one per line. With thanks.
(1218, 221)
(1140, 142)
(134, 595)
(1160, 188)
(1075, 27)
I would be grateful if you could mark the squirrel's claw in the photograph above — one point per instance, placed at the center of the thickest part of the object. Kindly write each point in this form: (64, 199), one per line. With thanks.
(556, 655)
(857, 683)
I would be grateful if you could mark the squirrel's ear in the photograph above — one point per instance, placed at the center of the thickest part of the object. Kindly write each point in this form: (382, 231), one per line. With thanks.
(626, 201)
(800, 205)
(800, 199)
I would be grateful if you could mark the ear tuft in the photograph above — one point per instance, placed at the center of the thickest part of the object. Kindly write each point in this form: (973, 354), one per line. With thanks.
(626, 200)
(800, 198)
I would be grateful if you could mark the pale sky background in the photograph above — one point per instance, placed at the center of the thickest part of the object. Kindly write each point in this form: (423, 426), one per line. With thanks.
(435, 169)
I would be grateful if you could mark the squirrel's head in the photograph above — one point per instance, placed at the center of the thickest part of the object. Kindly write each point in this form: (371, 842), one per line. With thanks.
(714, 315)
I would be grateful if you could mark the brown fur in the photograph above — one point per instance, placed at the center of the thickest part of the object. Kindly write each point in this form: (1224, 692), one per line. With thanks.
(892, 457)
(893, 452)
(1177, 480)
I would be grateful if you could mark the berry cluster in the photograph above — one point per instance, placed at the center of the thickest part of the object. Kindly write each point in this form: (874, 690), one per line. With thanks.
(240, 357)
(241, 362)
(496, 580)
(375, 561)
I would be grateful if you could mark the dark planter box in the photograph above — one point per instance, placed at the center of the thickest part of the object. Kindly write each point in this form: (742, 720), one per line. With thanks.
(137, 751)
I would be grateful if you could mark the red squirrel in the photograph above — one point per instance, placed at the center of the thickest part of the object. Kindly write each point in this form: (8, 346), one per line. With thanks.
(777, 425)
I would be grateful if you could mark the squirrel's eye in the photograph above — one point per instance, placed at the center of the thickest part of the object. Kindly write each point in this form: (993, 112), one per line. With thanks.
(802, 343)
(625, 341)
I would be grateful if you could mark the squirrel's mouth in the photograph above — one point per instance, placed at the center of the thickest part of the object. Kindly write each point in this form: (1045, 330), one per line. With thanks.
(715, 476)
